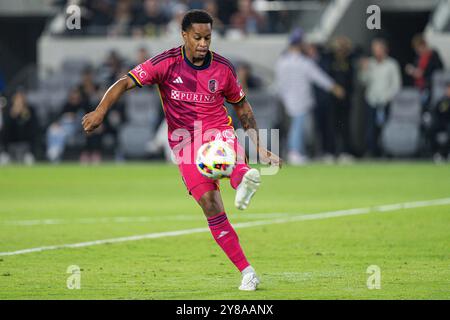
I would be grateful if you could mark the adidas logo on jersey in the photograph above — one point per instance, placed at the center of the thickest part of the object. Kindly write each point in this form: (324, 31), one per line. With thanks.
(178, 80)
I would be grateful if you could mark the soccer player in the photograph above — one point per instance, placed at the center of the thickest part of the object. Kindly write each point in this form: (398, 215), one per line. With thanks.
(194, 83)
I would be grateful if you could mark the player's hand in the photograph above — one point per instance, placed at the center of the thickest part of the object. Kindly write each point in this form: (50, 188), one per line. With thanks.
(92, 121)
(338, 91)
(267, 157)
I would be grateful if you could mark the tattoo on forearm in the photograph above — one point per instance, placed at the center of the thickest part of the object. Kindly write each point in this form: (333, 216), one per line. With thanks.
(249, 124)
(248, 121)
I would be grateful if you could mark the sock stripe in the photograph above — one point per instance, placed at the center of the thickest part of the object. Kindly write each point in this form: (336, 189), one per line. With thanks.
(217, 217)
(217, 222)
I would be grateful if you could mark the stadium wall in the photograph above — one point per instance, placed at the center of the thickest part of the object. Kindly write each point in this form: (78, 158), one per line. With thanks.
(261, 50)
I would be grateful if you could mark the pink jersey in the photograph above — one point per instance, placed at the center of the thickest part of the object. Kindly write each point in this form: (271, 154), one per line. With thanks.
(191, 93)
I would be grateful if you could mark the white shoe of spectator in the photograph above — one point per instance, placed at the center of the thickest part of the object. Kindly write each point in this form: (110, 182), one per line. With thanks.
(438, 158)
(346, 158)
(328, 158)
(28, 159)
(54, 154)
(296, 159)
(4, 159)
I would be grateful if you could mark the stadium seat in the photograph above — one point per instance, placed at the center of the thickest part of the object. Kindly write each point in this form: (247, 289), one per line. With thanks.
(74, 65)
(439, 80)
(53, 82)
(142, 108)
(57, 100)
(40, 101)
(133, 140)
(401, 134)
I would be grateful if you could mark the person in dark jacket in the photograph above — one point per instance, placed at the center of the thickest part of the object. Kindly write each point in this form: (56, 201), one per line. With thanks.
(20, 126)
(323, 111)
(428, 61)
(65, 124)
(342, 71)
(440, 127)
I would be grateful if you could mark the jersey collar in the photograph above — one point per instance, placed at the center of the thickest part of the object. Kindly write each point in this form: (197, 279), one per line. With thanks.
(205, 64)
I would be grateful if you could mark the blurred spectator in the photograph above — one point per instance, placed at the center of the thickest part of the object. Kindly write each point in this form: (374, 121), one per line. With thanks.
(428, 61)
(1, 118)
(342, 72)
(323, 107)
(91, 96)
(92, 150)
(194, 4)
(110, 67)
(2, 82)
(246, 77)
(382, 78)
(65, 125)
(115, 119)
(151, 21)
(440, 128)
(101, 12)
(226, 8)
(295, 76)
(89, 89)
(173, 29)
(246, 20)
(279, 21)
(142, 55)
(211, 7)
(123, 18)
(20, 130)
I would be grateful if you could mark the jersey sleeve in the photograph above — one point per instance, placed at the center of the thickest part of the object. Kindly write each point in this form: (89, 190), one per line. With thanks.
(233, 92)
(146, 73)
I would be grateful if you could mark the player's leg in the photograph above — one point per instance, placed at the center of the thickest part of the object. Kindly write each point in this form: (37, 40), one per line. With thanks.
(206, 192)
(243, 179)
(224, 233)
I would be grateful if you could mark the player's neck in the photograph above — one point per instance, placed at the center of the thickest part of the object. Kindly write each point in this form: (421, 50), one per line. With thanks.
(195, 61)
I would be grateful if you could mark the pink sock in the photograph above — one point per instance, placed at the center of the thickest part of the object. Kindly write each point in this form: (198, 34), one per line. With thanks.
(238, 174)
(227, 239)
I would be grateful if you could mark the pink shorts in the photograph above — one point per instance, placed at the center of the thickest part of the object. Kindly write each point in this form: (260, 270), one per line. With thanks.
(197, 184)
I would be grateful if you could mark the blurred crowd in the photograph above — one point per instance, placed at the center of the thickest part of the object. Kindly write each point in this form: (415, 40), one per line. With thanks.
(138, 18)
(327, 83)
(320, 81)
(56, 136)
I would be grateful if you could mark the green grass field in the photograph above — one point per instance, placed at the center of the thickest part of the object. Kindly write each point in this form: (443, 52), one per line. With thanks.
(305, 259)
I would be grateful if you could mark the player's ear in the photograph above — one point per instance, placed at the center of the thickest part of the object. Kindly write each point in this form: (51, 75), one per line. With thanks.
(184, 35)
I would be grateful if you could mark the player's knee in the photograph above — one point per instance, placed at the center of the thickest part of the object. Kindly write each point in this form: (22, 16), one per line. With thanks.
(211, 204)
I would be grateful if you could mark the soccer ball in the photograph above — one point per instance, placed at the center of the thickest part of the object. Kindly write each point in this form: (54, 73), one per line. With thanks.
(216, 159)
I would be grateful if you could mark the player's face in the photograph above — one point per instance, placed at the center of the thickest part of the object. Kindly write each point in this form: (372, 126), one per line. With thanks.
(197, 40)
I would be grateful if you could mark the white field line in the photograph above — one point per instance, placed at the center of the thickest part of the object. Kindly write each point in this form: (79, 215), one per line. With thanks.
(26, 223)
(315, 216)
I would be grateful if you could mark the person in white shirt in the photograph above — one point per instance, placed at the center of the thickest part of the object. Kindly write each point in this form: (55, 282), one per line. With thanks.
(295, 74)
(382, 78)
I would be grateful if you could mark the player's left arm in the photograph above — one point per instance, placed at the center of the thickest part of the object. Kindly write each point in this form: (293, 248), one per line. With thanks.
(245, 114)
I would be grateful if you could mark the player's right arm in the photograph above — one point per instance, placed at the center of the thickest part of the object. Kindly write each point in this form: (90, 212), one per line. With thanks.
(147, 73)
(95, 118)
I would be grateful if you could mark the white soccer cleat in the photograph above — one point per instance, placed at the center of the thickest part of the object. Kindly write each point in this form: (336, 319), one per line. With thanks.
(245, 191)
(249, 282)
